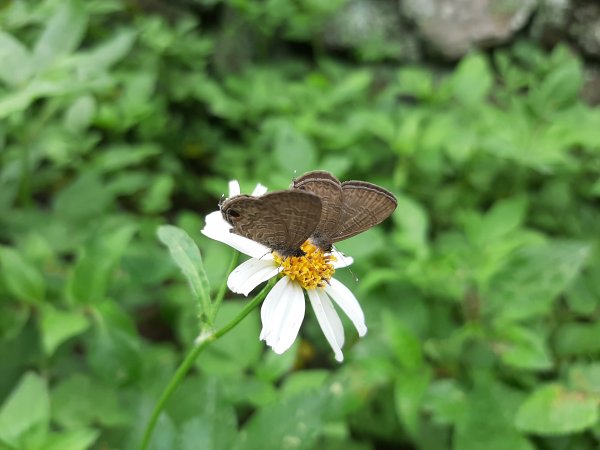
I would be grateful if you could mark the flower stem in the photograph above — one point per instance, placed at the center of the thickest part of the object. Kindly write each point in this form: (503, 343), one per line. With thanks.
(221, 294)
(200, 344)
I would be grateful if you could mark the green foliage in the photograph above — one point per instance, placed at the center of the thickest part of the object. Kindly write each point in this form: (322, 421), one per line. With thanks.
(482, 293)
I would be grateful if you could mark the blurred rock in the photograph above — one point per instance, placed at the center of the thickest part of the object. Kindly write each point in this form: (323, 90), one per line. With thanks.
(591, 87)
(373, 28)
(551, 21)
(585, 27)
(454, 27)
(234, 44)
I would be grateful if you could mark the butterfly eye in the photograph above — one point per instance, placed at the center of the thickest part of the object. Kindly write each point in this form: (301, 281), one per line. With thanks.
(232, 213)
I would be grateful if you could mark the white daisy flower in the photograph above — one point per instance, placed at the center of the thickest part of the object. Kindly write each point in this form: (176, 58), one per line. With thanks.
(283, 310)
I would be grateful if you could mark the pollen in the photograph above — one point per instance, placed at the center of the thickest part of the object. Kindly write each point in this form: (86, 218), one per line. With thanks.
(312, 270)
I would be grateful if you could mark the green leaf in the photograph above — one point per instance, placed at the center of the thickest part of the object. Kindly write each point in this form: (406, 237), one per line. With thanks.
(26, 412)
(13, 317)
(115, 350)
(207, 432)
(89, 280)
(214, 426)
(302, 381)
(84, 199)
(561, 86)
(445, 401)
(21, 278)
(186, 255)
(81, 439)
(107, 53)
(472, 80)
(352, 86)
(80, 401)
(504, 217)
(585, 377)
(413, 225)
(293, 150)
(294, 422)
(165, 435)
(555, 410)
(57, 326)
(80, 114)
(486, 424)
(273, 366)
(525, 348)
(240, 348)
(62, 34)
(577, 339)
(415, 81)
(118, 157)
(16, 67)
(410, 388)
(581, 297)
(158, 196)
(531, 280)
(406, 346)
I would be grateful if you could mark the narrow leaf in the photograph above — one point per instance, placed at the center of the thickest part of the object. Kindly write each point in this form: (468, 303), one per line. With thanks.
(58, 326)
(108, 53)
(80, 439)
(21, 278)
(409, 392)
(62, 34)
(16, 64)
(186, 255)
(97, 259)
(27, 409)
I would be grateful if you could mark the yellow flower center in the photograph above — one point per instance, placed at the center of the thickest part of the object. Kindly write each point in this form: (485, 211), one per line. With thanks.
(312, 270)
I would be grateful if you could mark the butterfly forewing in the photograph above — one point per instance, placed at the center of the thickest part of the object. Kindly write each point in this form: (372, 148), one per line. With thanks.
(281, 220)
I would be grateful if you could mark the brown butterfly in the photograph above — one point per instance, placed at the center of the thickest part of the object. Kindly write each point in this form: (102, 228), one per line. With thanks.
(347, 208)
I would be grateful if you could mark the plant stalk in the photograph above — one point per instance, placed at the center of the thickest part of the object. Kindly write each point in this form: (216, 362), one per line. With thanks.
(200, 344)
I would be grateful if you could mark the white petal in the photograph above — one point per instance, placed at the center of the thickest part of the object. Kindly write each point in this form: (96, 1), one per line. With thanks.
(218, 229)
(234, 188)
(250, 274)
(341, 259)
(281, 314)
(347, 301)
(248, 247)
(259, 190)
(215, 227)
(328, 320)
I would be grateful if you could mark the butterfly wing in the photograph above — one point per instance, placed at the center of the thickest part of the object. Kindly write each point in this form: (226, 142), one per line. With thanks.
(281, 220)
(329, 190)
(364, 205)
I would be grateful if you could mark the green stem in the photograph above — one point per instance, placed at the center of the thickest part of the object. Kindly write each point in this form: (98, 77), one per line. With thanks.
(221, 294)
(201, 343)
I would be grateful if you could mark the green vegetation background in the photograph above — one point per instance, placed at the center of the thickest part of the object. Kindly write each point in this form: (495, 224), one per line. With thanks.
(481, 293)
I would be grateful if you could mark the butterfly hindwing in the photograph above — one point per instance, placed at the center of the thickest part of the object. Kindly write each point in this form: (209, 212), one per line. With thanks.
(364, 205)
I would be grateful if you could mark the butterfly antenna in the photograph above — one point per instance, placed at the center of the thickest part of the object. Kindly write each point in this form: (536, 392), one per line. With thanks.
(222, 200)
(341, 255)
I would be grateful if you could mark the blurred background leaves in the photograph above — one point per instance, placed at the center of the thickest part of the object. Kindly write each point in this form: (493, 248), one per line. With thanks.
(482, 293)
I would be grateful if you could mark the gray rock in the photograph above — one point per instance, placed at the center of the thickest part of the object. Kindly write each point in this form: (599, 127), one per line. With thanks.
(454, 27)
(550, 23)
(373, 28)
(591, 87)
(585, 27)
